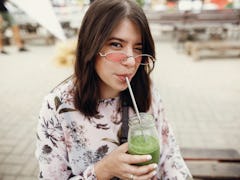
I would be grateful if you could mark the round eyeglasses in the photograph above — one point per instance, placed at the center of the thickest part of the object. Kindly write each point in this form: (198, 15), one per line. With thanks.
(119, 57)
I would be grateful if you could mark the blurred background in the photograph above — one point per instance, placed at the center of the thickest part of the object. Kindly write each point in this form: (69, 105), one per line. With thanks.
(197, 72)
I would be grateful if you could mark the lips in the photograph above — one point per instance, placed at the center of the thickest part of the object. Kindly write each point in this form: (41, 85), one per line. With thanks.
(122, 77)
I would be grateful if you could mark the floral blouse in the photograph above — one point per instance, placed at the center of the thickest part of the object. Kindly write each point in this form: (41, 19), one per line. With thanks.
(69, 144)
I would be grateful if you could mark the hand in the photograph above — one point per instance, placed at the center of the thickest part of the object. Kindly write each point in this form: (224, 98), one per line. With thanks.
(120, 164)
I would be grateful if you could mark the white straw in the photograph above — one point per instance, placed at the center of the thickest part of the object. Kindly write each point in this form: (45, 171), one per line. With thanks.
(133, 99)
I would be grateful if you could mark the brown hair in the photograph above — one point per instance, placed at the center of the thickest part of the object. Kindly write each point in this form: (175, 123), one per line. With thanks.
(97, 25)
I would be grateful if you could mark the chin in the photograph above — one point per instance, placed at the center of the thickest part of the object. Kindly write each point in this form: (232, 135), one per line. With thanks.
(120, 88)
(124, 87)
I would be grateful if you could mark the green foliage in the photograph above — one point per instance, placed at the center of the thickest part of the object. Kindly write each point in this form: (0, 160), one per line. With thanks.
(140, 2)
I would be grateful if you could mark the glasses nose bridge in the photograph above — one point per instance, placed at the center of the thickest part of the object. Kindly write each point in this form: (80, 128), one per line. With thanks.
(129, 59)
(126, 56)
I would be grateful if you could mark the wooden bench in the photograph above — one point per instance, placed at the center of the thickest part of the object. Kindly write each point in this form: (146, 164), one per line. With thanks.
(219, 47)
(187, 24)
(48, 39)
(31, 32)
(206, 17)
(212, 163)
(229, 16)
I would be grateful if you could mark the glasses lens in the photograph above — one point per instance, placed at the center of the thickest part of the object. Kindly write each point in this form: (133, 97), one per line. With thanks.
(116, 57)
(139, 59)
(144, 59)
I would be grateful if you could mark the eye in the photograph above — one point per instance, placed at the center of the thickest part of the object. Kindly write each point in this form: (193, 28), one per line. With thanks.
(138, 50)
(116, 44)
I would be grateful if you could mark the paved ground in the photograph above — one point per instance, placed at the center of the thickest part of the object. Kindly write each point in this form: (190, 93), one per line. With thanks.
(202, 101)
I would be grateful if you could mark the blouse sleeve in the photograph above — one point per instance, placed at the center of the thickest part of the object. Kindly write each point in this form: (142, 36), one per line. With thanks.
(172, 165)
(51, 148)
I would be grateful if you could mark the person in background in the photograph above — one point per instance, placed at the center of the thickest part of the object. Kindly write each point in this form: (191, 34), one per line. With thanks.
(6, 17)
(78, 133)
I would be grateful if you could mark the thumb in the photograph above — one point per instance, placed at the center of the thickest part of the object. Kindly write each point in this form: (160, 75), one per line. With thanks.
(123, 147)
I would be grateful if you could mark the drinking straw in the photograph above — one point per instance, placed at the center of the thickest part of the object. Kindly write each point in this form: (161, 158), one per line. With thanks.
(135, 107)
(133, 100)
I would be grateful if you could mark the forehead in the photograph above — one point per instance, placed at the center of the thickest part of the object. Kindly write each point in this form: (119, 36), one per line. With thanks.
(127, 30)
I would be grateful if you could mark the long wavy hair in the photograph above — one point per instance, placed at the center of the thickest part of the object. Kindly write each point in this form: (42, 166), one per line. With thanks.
(97, 25)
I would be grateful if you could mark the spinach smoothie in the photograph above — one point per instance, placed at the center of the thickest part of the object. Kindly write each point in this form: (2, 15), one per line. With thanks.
(142, 145)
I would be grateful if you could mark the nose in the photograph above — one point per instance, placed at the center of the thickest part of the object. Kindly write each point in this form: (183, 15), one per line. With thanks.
(130, 60)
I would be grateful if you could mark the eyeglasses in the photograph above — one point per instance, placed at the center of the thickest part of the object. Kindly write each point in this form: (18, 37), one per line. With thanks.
(119, 57)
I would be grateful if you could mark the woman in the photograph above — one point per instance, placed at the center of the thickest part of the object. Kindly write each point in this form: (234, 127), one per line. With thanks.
(80, 120)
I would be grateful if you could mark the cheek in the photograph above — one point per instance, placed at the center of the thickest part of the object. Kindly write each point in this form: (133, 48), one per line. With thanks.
(103, 69)
(99, 67)
(136, 68)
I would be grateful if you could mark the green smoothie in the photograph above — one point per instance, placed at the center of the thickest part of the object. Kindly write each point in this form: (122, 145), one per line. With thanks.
(145, 145)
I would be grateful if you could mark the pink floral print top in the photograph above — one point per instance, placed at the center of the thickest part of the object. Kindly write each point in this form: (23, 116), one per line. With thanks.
(68, 143)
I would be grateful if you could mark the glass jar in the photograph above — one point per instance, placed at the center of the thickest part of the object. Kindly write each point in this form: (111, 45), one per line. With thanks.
(143, 137)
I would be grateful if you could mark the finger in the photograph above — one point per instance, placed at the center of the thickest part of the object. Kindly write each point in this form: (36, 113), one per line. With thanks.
(141, 170)
(145, 176)
(123, 147)
(135, 159)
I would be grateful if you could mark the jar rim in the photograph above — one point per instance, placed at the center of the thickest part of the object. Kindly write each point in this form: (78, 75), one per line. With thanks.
(146, 121)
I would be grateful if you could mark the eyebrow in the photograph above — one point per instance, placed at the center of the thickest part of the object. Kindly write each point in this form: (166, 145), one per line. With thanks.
(121, 40)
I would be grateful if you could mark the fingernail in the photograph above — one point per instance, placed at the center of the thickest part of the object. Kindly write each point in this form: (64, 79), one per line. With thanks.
(149, 157)
(155, 166)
